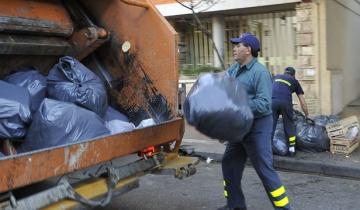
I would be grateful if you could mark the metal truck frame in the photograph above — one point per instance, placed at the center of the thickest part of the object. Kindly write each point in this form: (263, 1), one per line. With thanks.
(142, 79)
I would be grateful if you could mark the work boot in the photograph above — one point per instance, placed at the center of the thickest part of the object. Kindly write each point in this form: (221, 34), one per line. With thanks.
(226, 207)
(292, 151)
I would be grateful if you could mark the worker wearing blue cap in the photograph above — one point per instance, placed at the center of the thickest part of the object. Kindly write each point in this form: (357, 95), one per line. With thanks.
(257, 143)
(283, 87)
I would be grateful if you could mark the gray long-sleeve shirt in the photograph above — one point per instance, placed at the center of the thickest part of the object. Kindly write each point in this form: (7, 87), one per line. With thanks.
(257, 81)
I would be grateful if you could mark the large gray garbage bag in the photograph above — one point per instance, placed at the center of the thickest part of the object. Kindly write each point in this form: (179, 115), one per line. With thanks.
(217, 105)
(33, 81)
(14, 110)
(71, 81)
(57, 123)
(117, 122)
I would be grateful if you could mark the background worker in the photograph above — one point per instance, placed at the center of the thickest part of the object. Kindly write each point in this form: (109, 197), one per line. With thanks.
(257, 143)
(284, 86)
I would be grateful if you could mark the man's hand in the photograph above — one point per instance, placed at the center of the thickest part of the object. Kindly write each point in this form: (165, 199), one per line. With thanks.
(303, 105)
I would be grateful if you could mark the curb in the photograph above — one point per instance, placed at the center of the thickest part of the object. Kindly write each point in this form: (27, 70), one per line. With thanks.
(298, 165)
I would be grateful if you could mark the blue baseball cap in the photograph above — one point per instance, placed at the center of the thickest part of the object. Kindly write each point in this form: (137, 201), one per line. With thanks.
(290, 70)
(249, 39)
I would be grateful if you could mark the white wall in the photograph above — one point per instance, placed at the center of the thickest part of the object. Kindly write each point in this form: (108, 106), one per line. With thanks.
(343, 50)
(174, 9)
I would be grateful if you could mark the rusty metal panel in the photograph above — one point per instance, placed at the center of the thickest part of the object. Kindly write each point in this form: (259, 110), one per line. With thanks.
(32, 167)
(49, 17)
(148, 75)
(12, 62)
(34, 45)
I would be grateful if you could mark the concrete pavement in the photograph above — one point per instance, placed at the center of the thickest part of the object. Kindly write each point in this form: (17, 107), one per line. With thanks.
(204, 191)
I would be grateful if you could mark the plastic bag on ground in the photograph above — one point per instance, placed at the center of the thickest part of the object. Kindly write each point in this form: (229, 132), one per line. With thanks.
(312, 137)
(217, 106)
(352, 133)
(71, 81)
(333, 118)
(279, 143)
(33, 81)
(117, 122)
(323, 120)
(58, 123)
(1, 155)
(15, 111)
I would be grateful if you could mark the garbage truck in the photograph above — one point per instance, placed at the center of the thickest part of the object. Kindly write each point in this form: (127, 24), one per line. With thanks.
(133, 50)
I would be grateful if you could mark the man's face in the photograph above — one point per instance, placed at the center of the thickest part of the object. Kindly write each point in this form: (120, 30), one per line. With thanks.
(240, 52)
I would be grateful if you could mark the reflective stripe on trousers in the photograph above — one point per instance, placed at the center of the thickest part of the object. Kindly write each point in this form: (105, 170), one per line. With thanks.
(279, 197)
(292, 140)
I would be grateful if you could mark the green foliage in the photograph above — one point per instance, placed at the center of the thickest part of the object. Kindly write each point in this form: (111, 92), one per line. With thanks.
(195, 71)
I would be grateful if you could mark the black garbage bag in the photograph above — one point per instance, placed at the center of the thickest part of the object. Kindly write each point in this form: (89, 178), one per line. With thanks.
(117, 122)
(33, 81)
(58, 123)
(71, 81)
(279, 142)
(217, 105)
(15, 111)
(312, 137)
(323, 120)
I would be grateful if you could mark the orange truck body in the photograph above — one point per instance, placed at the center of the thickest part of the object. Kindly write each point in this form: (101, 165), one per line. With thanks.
(144, 80)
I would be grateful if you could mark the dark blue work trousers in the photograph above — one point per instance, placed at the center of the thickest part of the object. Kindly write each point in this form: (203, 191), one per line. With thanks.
(285, 109)
(256, 146)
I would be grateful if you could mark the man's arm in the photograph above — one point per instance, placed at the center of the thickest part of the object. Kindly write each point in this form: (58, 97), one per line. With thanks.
(303, 104)
(261, 103)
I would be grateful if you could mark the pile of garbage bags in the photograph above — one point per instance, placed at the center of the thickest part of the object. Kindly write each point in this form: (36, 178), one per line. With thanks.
(311, 134)
(67, 106)
(217, 106)
(15, 111)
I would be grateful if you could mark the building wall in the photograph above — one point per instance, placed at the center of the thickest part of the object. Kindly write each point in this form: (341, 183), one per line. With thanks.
(308, 55)
(276, 32)
(327, 51)
(324, 76)
(343, 50)
(195, 47)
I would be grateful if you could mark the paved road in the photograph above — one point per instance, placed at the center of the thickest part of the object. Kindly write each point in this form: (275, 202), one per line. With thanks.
(204, 191)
